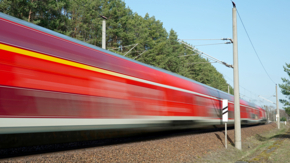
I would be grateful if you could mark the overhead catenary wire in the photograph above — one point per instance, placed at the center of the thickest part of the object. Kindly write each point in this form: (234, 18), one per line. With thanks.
(202, 53)
(255, 97)
(239, 84)
(140, 54)
(267, 99)
(122, 47)
(138, 51)
(199, 63)
(131, 49)
(213, 44)
(188, 55)
(187, 46)
(191, 48)
(208, 39)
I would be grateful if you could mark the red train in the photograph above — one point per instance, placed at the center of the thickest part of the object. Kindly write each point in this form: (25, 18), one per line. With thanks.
(51, 82)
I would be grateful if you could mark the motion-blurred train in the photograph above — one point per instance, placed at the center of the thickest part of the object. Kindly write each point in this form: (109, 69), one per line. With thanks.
(51, 82)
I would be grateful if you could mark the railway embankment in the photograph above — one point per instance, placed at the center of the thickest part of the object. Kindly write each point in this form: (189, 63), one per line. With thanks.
(271, 146)
(179, 146)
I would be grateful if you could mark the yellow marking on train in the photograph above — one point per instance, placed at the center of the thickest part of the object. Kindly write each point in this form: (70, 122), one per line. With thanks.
(63, 61)
(91, 68)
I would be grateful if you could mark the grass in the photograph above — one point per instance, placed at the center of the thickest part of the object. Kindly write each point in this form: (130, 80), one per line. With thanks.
(273, 146)
(282, 154)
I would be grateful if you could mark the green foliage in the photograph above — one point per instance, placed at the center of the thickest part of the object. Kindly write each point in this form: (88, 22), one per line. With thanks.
(46, 13)
(285, 88)
(283, 119)
(80, 19)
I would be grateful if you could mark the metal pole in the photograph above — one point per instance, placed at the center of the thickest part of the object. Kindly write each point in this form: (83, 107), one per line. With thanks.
(226, 138)
(238, 142)
(278, 112)
(225, 117)
(274, 115)
(268, 114)
(104, 34)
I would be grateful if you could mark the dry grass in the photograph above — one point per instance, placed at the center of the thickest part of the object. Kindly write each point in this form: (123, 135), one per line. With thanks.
(282, 154)
(271, 146)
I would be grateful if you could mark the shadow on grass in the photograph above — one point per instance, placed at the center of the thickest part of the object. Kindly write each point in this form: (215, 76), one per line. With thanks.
(279, 136)
(229, 139)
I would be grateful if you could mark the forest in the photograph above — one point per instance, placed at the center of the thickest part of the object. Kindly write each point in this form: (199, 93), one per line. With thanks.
(80, 19)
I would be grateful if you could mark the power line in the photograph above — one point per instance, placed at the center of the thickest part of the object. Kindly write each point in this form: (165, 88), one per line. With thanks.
(188, 55)
(213, 44)
(199, 63)
(131, 49)
(121, 46)
(202, 53)
(208, 39)
(140, 54)
(239, 85)
(254, 47)
(254, 95)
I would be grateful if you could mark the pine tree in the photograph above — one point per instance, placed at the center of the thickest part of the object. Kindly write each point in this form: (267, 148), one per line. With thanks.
(286, 89)
(81, 20)
(16, 8)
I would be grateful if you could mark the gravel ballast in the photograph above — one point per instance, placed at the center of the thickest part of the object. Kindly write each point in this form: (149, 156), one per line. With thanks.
(178, 148)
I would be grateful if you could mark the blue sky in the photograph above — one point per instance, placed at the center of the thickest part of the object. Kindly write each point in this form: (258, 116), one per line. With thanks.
(267, 23)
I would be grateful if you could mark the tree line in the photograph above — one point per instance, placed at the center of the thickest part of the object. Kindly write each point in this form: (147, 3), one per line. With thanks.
(80, 19)
(285, 89)
(271, 112)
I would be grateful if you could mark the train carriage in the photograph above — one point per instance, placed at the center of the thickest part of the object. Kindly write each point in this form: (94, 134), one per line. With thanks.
(51, 82)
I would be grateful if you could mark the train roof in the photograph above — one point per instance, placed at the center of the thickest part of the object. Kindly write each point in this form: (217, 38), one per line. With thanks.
(210, 90)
